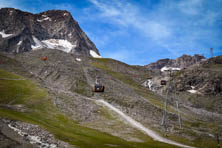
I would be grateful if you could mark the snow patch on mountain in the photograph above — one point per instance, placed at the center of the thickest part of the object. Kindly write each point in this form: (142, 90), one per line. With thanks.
(65, 14)
(170, 68)
(70, 34)
(44, 19)
(11, 12)
(4, 35)
(59, 44)
(78, 59)
(38, 44)
(19, 43)
(94, 54)
(193, 91)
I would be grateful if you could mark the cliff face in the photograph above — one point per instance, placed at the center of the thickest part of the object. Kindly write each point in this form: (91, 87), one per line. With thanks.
(158, 65)
(182, 62)
(22, 31)
(205, 79)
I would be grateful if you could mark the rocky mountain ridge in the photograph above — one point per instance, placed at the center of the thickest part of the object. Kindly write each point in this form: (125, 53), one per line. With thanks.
(56, 29)
(203, 82)
(199, 85)
(182, 62)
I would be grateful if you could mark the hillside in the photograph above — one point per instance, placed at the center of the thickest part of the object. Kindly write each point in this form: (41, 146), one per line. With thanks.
(204, 83)
(69, 101)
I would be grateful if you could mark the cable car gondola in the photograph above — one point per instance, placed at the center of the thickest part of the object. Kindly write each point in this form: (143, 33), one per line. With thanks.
(163, 82)
(98, 87)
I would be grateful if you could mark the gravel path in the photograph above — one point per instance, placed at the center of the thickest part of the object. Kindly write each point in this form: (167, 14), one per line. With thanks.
(139, 126)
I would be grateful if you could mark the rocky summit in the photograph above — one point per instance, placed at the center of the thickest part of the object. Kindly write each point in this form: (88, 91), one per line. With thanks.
(55, 29)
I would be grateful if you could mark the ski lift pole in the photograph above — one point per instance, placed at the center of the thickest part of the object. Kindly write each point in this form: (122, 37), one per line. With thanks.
(165, 112)
(178, 113)
(164, 124)
(218, 141)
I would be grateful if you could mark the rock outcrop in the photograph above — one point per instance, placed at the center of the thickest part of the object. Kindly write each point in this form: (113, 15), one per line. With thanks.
(182, 62)
(205, 79)
(56, 29)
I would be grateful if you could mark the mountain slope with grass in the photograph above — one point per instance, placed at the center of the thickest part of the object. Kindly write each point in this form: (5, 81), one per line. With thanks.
(26, 101)
(57, 95)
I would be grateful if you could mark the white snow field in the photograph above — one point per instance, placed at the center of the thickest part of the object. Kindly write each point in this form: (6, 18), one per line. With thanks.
(78, 59)
(4, 35)
(59, 44)
(94, 54)
(38, 44)
(170, 68)
(193, 91)
(45, 18)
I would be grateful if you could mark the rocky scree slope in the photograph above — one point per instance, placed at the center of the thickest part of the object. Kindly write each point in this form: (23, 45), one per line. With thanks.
(74, 101)
(198, 89)
(70, 83)
(203, 84)
(161, 69)
(23, 31)
(198, 83)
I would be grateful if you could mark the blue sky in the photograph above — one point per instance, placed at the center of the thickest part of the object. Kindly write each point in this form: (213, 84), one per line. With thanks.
(138, 32)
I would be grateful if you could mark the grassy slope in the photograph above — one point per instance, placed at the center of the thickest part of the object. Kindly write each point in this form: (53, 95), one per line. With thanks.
(43, 113)
(202, 142)
(127, 79)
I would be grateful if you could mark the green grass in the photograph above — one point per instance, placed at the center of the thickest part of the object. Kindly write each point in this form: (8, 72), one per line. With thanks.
(19, 91)
(43, 113)
(82, 88)
(204, 142)
(200, 140)
(103, 64)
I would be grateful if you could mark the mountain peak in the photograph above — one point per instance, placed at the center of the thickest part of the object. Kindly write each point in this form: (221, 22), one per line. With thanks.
(56, 29)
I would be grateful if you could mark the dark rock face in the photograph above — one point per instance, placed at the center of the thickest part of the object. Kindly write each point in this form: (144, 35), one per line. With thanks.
(206, 78)
(213, 61)
(158, 65)
(182, 62)
(19, 31)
